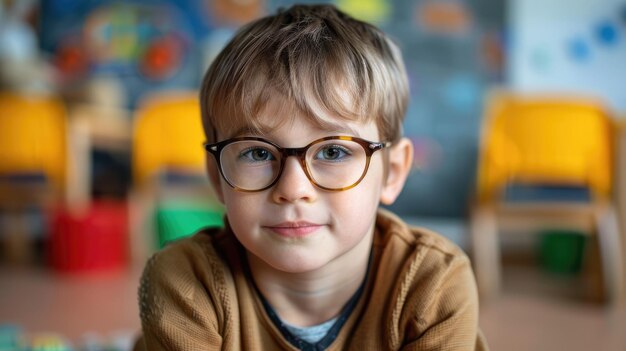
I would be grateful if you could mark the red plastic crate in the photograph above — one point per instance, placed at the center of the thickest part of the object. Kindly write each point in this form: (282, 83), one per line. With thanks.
(95, 240)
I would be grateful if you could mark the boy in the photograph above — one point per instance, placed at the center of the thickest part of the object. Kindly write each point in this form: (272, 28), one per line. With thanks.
(303, 112)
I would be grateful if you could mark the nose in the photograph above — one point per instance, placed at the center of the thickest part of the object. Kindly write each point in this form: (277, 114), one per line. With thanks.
(293, 184)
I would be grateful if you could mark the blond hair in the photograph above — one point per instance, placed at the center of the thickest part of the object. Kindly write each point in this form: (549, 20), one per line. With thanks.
(315, 59)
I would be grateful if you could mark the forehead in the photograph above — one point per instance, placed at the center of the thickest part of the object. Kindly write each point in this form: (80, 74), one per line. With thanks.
(280, 116)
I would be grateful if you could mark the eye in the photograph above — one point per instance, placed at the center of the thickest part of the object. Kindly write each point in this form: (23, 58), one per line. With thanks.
(256, 154)
(332, 153)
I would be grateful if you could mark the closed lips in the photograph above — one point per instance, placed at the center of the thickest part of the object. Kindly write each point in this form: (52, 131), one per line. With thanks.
(294, 228)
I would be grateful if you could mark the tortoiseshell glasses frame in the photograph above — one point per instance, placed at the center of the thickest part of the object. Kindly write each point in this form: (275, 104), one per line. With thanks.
(369, 147)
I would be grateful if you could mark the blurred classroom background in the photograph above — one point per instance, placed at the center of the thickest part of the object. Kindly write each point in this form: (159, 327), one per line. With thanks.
(517, 115)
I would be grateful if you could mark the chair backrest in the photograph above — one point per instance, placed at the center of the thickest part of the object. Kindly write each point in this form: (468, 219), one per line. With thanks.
(167, 135)
(544, 140)
(33, 136)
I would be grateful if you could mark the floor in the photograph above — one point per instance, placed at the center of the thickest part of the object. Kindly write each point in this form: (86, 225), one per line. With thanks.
(532, 314)
(545, 312)
(79, 308)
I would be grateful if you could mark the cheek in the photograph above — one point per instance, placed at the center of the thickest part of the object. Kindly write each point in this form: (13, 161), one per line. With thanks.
(244, 214)
(241, 208)
(375, 177)
(361, 201)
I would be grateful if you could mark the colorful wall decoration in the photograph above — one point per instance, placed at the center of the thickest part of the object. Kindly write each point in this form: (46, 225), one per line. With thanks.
(452, 17)
(147, 45)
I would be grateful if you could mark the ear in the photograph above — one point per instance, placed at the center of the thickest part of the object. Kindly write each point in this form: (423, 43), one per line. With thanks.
(399, 166)
(214, 177)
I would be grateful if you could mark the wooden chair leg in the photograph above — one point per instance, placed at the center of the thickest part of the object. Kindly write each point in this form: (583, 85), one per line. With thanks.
(18, 247)
(486, 251)
(611, 253)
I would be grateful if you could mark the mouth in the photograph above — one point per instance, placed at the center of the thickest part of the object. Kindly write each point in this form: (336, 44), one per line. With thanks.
(294, 229)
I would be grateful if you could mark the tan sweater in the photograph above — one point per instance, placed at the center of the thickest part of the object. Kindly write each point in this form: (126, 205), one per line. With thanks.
(420, 294)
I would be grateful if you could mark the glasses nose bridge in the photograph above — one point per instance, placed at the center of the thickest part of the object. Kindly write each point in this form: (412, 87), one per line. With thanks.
(298, 152)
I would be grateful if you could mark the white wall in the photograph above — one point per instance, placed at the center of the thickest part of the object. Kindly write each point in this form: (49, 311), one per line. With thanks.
(541, 57)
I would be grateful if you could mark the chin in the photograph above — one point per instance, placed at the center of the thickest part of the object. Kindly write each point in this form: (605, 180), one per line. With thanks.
(295, 266)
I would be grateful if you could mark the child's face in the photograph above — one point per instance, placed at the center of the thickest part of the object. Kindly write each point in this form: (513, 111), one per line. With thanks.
(332, 224)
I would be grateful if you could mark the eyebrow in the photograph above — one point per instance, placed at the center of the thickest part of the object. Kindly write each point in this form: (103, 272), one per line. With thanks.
(247, 130)
(340, 128)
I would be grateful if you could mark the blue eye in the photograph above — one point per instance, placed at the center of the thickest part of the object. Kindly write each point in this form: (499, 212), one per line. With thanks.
(256, 154)
(332, 153)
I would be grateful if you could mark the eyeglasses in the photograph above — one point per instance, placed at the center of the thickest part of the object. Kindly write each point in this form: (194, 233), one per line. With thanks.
(333, 163)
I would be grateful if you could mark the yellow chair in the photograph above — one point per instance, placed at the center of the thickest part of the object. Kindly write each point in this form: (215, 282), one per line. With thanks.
(33, 137)
(544, 141)
(33, 161)
(167, 135)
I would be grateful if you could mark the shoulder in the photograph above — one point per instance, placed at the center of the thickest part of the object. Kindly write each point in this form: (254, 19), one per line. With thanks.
(426, 266)
(433, 283)
(185, 256)
(184, 271)
(395, 234)
(185, 295)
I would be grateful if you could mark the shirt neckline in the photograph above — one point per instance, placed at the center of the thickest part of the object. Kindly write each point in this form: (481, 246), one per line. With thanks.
(334, 330)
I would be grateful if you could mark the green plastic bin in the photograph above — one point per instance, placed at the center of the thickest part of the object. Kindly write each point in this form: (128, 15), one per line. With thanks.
(561, 251)
(179, 219)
